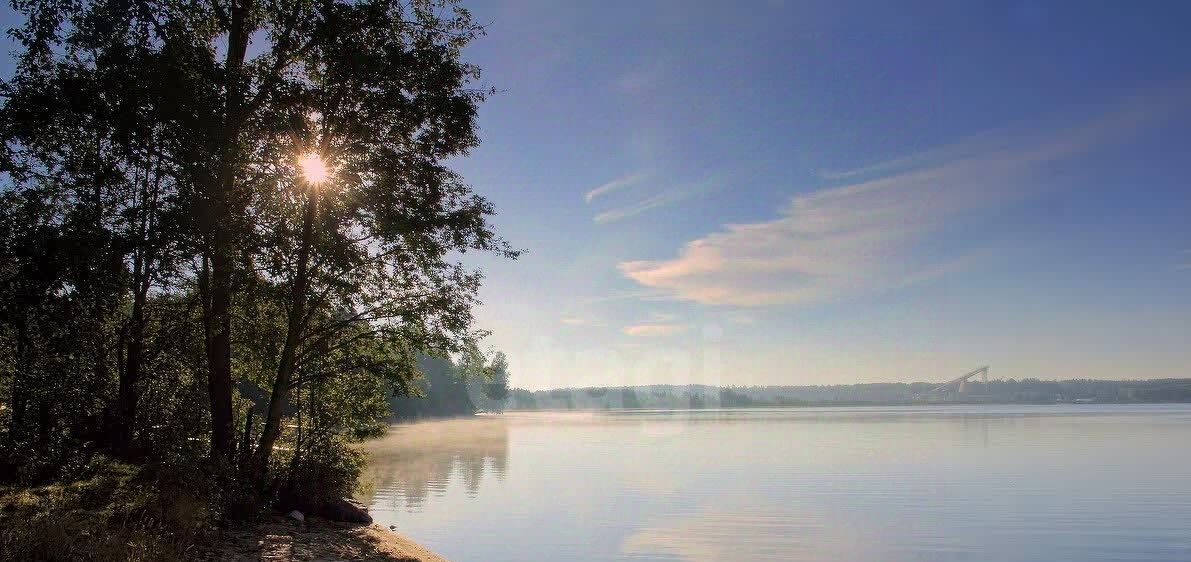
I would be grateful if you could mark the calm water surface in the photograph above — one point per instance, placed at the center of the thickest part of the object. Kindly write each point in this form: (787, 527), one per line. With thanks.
(1044, 483)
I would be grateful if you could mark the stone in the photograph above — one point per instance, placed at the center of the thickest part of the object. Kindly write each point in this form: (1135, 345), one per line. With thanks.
(345, 511)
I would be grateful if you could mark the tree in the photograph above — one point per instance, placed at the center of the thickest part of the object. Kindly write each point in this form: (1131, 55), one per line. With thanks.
(304, 179)
(496, 387)
(81, 156)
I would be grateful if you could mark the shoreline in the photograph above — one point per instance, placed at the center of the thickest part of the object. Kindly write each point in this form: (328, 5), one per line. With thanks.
(114, 516)
(278, 539)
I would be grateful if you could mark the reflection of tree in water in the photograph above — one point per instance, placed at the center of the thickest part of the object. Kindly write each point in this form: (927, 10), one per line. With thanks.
(472, 467)
(500, 463)
(416, 460)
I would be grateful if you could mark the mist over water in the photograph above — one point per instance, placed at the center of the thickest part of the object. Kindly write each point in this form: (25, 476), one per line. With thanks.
(1026, 483)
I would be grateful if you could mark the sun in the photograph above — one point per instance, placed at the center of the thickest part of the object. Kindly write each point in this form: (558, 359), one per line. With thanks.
(314, 170)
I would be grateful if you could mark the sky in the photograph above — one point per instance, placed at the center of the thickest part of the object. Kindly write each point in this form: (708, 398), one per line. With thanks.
(836, 192)
(796, 193)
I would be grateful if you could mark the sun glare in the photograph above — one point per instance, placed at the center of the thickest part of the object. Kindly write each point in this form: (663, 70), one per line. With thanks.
(313, 168)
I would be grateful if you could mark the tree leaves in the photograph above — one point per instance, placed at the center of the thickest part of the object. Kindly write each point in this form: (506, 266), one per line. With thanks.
(166, 133)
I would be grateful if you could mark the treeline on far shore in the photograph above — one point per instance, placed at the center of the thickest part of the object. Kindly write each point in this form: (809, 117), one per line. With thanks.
(448, 389)
(1025, 391)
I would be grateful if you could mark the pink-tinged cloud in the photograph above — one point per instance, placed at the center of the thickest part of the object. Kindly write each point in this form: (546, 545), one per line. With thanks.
(859, 236)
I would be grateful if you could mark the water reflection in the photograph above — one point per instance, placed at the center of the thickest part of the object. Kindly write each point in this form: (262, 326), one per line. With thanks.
(1027, 484)
(415, 461)
(746, 531)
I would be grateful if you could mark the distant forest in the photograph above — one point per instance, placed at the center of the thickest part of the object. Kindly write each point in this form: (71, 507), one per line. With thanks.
(450, 388)
(1033, 391)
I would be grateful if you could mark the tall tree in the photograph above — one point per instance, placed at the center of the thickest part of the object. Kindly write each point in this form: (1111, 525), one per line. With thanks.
(359, 255)
(83, 148)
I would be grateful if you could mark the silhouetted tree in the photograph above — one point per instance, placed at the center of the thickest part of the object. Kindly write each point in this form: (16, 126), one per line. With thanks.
(155, 165)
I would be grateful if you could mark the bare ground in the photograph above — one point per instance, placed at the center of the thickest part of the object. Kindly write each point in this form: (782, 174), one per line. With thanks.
(283, 540)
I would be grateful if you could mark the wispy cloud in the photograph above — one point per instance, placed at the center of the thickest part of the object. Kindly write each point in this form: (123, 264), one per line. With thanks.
(668, 197)
(582, 320)
(654, 329)
(858, 236)
(975, 144)
(659, 200)
(948, 266)
(615, 185)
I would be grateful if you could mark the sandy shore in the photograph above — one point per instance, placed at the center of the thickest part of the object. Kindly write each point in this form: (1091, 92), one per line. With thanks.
(280, 539)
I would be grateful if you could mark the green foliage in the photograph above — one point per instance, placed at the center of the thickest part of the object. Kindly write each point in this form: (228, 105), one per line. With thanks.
(327, 470)
(174, 293)
(496, 389)
(441, 391)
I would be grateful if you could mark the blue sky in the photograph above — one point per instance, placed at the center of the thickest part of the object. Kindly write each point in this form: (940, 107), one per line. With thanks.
(816, 193)
(829, 192)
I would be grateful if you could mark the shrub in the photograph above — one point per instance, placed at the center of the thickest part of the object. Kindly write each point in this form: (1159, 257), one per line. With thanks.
(327, 470)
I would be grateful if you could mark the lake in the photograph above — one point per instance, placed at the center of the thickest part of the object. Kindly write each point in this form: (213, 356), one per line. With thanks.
(984, 482)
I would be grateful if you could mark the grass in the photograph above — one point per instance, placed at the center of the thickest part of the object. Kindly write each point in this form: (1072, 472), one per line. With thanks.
(114, 512)
(117, 511)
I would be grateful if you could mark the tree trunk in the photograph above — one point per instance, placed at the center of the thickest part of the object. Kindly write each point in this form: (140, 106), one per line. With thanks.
(226, 211)
(286, 366)
(19, 400)
(219, 355)
(130, 374)
(127, 400)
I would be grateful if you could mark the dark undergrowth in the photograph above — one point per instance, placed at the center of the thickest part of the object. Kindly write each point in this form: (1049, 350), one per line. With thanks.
(115, 511)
